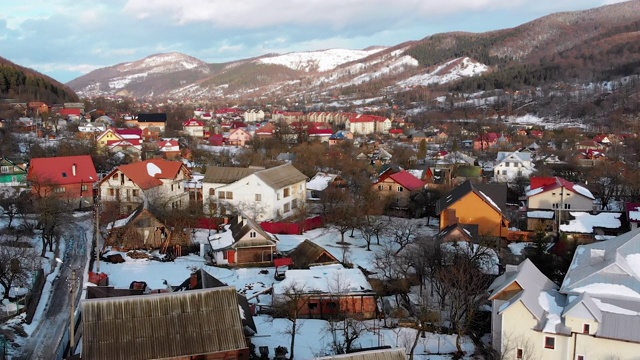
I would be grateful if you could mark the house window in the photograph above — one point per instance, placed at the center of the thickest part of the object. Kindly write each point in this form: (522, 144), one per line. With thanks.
(504, 172)
(519, 353)
(549, 342)
(224, 255)
(4, 169)
(294, 203)
(171, 187)
(286, 208)
(115, 176)
(252, 234)
(221, 194)
(380, 187)
(553, 194)
(580, 357)
(134, 192)
(84, 187)
(567, 206)
(111, 192)
(286, 192)
(400, 188)
(586, 328)
(59, 189)
(64, 174)
(507, 164)
(229, 195)
(313, 306)
(258, 197)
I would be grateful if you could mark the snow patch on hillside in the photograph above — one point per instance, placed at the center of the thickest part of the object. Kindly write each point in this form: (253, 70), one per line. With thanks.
(450, 71)
(324, 60)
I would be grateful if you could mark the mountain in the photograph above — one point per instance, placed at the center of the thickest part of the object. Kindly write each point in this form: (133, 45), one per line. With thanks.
(593, 45)
(24, 84)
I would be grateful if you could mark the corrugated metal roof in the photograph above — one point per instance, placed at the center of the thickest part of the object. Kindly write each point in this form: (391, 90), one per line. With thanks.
(227, 175)
(382, 354)
(160, 326)
(281, 176)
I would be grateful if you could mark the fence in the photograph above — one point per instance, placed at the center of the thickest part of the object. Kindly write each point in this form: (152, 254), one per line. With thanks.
(290, 228)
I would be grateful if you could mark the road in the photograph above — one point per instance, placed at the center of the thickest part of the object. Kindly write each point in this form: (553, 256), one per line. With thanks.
(55, 320)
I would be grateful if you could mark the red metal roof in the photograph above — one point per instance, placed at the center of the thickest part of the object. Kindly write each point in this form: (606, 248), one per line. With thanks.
(63, 170)
(407, 180)
(193, 122)
(145, 175)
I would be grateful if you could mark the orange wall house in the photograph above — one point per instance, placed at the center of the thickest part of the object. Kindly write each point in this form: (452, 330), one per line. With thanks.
(475, 204)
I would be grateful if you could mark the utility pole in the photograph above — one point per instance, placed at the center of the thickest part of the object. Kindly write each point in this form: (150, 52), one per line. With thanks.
(97, 235)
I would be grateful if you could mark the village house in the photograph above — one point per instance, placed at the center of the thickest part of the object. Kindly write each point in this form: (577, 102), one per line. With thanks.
(157, 180)
(592, 315)
(239, 137)
(244, 243)
(11, 174)
(328, 291)
(148, 120)
(511, 165)
(322, 181)
(633, 214)
(143, 230)
(169, 148)
(394, 189)
(479, 204)
(585, 228)
(70, 178)
(108, 325)
(309, 254)
(194, 128)
(558, 195)
(263, 194)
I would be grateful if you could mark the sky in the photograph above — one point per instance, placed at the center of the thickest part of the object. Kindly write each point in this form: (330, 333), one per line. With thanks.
(68, 38)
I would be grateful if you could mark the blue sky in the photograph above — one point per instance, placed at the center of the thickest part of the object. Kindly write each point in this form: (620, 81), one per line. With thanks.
(68, 38)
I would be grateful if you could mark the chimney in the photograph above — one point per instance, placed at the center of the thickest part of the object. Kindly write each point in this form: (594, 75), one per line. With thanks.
(193, 281)
(74, 167)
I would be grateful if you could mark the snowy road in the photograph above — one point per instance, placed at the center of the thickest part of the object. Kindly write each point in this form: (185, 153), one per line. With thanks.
(52, 326)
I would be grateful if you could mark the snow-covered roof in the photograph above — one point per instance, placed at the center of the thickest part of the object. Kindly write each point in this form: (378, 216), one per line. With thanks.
(328, 279)
(320, 181)
(540, 214)
(584, 222)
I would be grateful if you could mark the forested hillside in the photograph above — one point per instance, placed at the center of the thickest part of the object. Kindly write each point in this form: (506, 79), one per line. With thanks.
(24, 84)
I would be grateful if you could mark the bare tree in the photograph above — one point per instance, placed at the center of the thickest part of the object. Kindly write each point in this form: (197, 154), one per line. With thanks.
(54, 217)
(342, 327)
(461, 285)
(17, 263)
(288, 305)
(518, 346)
(402, 234)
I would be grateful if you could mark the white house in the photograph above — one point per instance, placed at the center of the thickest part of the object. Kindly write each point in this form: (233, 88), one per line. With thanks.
(594, 314)
(194, 128)
(155, 180)
(510, 165)
(262, 194)
(368, 124)
(254, 115)
(555, 193)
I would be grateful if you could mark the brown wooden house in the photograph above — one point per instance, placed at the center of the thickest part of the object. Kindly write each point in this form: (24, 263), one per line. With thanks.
(143, 230)
(309, 254)
(251, 244)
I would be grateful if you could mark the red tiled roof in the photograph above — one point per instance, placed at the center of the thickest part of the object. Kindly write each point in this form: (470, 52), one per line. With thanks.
(360, 118)
(71, 111)
(60, 170)
(129, 131)
(551, 183)
(145, 173)
(407, 180)
(193, 122)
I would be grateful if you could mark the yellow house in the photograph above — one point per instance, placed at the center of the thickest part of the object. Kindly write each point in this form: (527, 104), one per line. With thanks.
(108, 135)
(483, 205)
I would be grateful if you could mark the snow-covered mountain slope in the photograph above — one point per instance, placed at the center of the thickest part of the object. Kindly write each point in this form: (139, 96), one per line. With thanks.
(445, 73)
(323, 60)
(112, 79)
